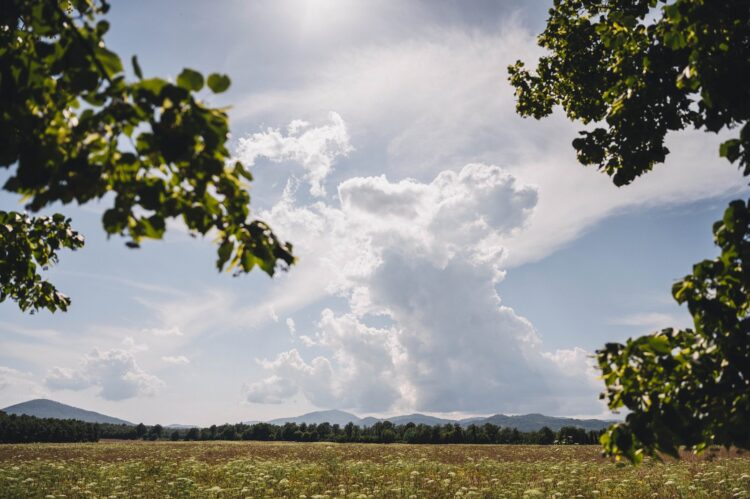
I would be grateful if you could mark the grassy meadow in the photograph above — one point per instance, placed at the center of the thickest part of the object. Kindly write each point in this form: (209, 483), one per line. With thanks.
(318, 470)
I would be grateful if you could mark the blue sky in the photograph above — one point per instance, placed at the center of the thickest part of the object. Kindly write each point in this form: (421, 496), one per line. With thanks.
(454, 258)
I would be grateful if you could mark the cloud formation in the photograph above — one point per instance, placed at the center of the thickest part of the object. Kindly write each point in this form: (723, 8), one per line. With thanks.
(443, 100)
(17, 385)
(114, 373)
(175, 359)
(172, 331)
(313, 147)
(421, 259)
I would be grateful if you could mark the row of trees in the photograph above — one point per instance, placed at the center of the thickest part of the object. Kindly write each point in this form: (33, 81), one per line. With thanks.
(387, 432)
(25, 429)
(22, 429)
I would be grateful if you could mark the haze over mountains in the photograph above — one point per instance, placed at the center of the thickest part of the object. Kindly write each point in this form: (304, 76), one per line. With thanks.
(44, 408)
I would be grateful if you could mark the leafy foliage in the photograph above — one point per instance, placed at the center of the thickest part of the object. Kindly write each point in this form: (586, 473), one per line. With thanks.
(73, 129)
(636, 70)
(690, 387)
(27, 244)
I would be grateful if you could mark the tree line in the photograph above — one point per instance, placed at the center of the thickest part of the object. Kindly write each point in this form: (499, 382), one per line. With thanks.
(387, 432)
(24, 429)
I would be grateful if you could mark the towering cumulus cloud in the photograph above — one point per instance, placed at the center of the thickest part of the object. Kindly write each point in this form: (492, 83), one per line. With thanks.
(425, 329)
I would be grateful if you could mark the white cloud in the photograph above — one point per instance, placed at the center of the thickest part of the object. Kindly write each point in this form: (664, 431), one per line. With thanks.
(291, 326)
(443, 100)
(271, 390)
(172, 331)
(178, 360)
(114, 373)
(427, 255)
(424, 255)
(653, 321)
(314, 147)
(199, 313)
(131, 346)
(17, 386)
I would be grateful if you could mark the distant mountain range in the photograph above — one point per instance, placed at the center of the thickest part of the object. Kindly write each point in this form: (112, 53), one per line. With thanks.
(44, 408)
(526, 422)
(534, 422)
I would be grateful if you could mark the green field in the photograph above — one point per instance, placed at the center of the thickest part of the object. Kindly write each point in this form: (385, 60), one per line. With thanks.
(251, 469)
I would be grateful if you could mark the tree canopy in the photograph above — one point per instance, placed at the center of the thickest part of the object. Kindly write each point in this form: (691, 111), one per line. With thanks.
(637, 69)
(634, 70)
(75, 129)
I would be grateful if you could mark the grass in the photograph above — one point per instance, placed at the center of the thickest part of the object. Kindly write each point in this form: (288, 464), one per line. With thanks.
(253, 469)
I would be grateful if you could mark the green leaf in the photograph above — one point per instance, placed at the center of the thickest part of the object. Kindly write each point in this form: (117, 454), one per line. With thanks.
(153, 85)
(730, 149)
(225, 251)
(137, 67)
(102, 27)
(218, 83)
(659, 344)
(109, 61)
(190, 80)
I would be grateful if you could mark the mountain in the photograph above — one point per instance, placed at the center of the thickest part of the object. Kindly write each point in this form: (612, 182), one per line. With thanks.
(368, 421)
(317, 417)
(418, 419)
(526, 422)
(44, 408)
(534, 422)
(342, 418)
(181, 426)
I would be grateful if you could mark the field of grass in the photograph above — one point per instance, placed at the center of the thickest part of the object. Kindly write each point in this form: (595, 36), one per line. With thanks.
(252, 469)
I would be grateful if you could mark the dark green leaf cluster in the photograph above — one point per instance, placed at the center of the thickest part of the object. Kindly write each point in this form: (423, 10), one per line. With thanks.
(27, 245)
(637, 69)
(690, 387)
(73, 129)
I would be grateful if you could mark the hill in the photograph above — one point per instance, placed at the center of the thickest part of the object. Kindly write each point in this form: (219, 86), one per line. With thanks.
(534, 422)
(44, 408)
(317, 417)
(418, 419)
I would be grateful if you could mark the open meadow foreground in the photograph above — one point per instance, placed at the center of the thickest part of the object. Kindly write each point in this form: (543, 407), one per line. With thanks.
(251, 469)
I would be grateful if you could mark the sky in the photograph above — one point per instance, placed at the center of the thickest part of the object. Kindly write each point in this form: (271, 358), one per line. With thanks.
(454, 258)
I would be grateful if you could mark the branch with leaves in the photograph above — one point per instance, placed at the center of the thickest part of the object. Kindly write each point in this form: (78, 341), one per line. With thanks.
(690, 387)
(73, 129)
(29, 244)
(636, 70)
